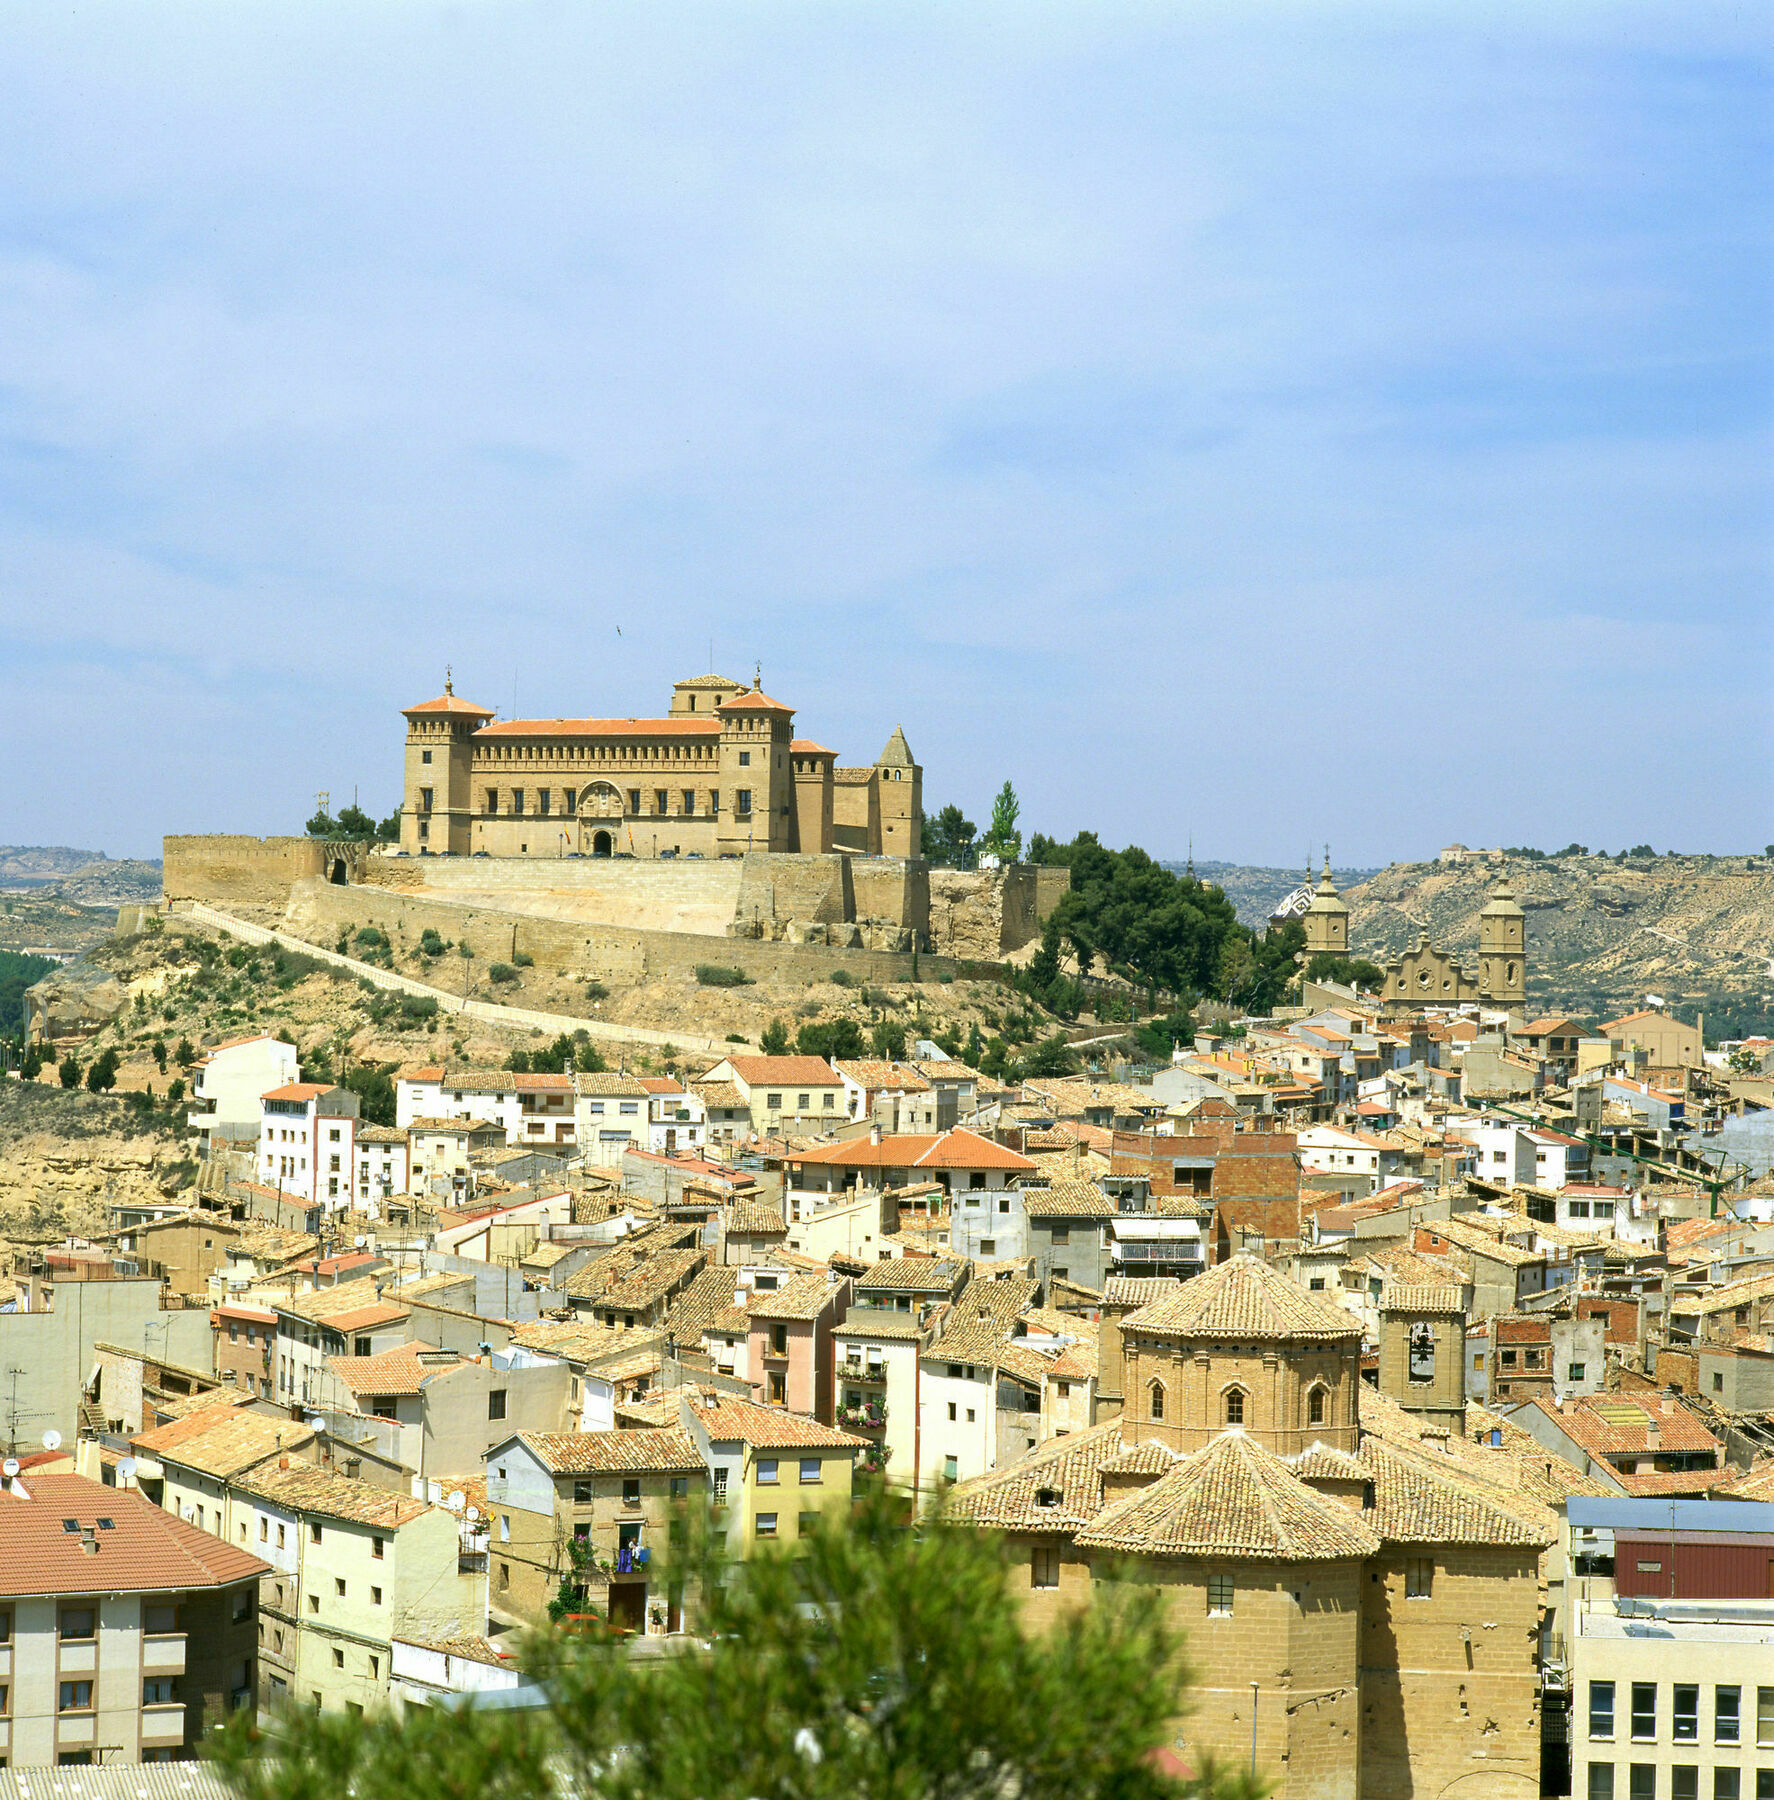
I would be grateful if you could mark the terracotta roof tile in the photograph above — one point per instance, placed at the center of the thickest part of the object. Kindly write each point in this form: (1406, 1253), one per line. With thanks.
(729, 1420)
(144, 1549)
(593, 1452)
(1232, 1499)
(1243, 1297)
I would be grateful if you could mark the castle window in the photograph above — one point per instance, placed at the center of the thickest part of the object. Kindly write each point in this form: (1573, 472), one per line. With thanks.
(1155, 1408)
(1044, 1568)
(742, 802)
(1235, 1406)
(1219, 1596)
(661, 801)
(492, 802)
(689, 801)
(425, 756)
(634, 801)
(1419, 1577)
(425, 799)
(1315, 1407)
(570, 802)
(517, 800)
(544, 800)
(745, 759)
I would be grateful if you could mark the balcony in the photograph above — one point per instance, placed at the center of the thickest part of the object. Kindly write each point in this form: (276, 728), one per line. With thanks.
(871, 1415)
(858, 1370)
(163, 1653)
(164, 1724)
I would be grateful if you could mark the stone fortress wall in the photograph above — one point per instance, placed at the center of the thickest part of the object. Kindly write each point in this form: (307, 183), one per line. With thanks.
(622, 919)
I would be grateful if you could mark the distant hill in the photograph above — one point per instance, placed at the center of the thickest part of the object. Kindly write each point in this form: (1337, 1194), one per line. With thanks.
(81, 877)
(36, 865)
(1257, 892)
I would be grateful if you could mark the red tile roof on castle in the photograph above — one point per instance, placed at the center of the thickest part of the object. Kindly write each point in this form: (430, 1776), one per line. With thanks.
(452, 704)
(752, 700)
(682, 725)
(141, 1549)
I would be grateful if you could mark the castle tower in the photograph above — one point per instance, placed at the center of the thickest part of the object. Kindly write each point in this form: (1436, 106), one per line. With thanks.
(1241, 1345)
(901, 785)
(436, 805)
(1502, 950)
(1327, 919)
(757, 776)
(1423, 1352)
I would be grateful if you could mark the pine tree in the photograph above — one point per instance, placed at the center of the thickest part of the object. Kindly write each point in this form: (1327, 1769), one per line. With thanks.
(875, 1663)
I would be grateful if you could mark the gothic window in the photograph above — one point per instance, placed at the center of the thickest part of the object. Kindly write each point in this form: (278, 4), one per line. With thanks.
(1422, 1357)
(1157, 1400)
(1235, 1406)
(1315, 1407)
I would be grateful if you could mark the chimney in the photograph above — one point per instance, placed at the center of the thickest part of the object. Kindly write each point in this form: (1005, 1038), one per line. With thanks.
(283, 1462)
(89, 1541)
(875, 1132)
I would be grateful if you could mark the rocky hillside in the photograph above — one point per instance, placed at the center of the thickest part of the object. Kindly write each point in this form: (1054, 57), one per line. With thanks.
(1601, 933)
(68, 1157)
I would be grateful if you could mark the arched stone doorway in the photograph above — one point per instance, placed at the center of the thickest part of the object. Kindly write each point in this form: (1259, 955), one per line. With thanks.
(336, 875)
(600, 818)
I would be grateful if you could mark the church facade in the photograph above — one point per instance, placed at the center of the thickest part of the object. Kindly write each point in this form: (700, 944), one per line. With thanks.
(720, 774)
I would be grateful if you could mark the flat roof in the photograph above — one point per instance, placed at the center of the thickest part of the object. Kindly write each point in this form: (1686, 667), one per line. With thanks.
(1614, 1513)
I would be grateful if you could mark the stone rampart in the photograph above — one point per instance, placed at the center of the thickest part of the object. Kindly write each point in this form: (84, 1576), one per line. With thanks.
(320, 911)
(680, 894)
(227, 868)
(991, 912)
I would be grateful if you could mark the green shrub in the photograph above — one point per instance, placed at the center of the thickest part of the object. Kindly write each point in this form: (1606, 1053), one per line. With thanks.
(501, 972)
(430, 944)
(714, 975)
(595, 990)
(523, 959)
(369, 938)
(947, 978)
(841, 978)
(418, 1006)
(736, 1037)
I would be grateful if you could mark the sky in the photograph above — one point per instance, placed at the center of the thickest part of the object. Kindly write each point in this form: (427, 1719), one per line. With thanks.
(1243, 426)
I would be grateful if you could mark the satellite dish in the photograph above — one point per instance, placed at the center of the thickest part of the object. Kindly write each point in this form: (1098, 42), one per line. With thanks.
(473, 1515)
(9, 1468)
(359, 1241)
(315, 1421)
(52, 1440)
(456, 1502)
(126, 1470)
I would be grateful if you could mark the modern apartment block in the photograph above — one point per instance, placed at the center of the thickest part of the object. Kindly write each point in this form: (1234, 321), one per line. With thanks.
(125, 1633)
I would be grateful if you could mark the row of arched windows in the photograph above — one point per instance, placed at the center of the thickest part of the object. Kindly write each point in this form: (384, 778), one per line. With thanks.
(1317, 1401)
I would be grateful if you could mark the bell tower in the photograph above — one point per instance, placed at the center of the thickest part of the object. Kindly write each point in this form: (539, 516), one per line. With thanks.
(1423, 1352)
(1327, 919)
(1502, 950)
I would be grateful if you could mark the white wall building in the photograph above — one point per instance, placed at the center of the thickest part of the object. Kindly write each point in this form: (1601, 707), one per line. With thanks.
(227, 1084)
(308, 1142)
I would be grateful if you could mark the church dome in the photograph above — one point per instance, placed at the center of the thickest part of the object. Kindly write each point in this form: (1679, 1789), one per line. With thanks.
(1243, 1299)
(1502, 904)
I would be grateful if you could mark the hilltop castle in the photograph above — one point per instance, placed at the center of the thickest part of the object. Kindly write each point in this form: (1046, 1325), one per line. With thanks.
(722, 773)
